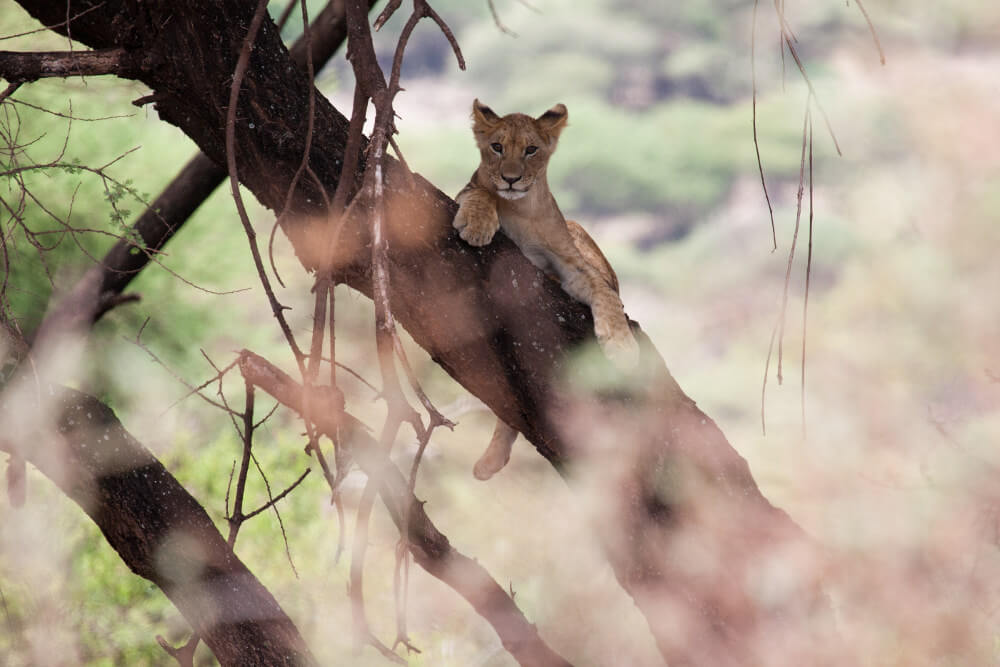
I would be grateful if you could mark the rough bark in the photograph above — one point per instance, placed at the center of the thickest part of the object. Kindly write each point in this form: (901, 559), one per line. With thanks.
(159, 530)
(688, 533)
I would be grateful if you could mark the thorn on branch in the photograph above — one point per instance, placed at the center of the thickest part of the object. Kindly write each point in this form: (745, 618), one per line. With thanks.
(146, 99)
(10, 90)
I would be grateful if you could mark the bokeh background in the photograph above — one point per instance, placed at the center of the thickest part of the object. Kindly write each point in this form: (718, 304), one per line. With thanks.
(895, 465)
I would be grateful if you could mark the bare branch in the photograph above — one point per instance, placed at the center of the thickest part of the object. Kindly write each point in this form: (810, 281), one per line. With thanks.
(141, 511)
(756, 142)
(20, 67)
(429, 546)
(871, 28)
(274, 501)
(497, 22)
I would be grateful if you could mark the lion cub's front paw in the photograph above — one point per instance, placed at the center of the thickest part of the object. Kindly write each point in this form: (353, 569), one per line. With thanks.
(618, 345)
(476, 227)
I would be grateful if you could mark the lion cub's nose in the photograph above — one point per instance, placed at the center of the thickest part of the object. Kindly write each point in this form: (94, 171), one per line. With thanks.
(511, 180)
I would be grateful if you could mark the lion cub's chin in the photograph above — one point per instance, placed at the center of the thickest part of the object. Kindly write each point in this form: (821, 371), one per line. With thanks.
(512, 194)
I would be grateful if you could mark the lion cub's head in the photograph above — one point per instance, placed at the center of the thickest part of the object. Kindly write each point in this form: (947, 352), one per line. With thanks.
(515, 148)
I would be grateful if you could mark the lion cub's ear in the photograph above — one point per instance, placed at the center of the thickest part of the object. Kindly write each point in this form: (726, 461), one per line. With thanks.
(483, 117)
(553, 121)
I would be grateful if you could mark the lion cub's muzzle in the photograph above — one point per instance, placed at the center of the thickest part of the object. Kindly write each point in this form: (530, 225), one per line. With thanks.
(513, 187)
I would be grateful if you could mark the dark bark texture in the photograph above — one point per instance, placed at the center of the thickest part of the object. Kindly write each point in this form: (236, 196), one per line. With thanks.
(162, 533)
(687, 531)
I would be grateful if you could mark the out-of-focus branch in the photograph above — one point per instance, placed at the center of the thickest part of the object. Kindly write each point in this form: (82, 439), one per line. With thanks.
(18, 66)
(157, 528)
(430, 548)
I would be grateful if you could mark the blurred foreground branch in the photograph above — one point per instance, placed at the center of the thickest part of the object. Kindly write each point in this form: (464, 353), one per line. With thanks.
(158, 529)
(430, 548)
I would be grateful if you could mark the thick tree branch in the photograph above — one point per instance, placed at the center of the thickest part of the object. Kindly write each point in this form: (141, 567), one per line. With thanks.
(157, 528)
(18, 67)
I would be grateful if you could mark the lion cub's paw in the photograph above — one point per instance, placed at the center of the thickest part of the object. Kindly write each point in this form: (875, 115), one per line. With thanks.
(497, 454)
(619, 346)
(476, 226)
(489, 464)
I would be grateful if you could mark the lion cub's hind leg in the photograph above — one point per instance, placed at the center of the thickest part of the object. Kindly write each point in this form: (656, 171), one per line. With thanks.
(497, 454)
(477, 219)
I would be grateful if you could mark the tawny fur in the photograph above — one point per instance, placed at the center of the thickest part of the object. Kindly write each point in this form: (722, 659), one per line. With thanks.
(510, 191)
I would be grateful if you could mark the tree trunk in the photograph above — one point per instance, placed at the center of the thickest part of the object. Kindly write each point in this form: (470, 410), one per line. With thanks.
(686, 529)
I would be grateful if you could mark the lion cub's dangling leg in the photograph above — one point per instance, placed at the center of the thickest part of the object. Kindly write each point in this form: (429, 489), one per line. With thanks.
(510, 191)
(497, 453)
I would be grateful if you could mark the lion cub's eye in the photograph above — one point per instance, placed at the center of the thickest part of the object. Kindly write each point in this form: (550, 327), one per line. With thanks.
(497, 148)
(530, 150)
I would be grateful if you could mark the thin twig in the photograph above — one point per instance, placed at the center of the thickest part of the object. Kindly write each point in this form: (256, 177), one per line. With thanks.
(273, 501)
(805, 301)
(756, 143)
(236, 517)
(871, 28)
(241, 69)
(497, 22)
(795, 236)
(788, 37)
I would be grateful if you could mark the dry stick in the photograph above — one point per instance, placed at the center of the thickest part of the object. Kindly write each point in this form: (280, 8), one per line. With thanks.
(386, 331)
(432, 549)
(362, 631)
(779, 326)
(788, 37)
(496, 20)
(310, 122)
(18, 67)
(871, 28)
(805, 301)
(274, 501)
(323, 281)
(286, 14)
(763, 386)
(236, 518)
(795, 237)
(342, 464)
(234, 92)
(370, 84)
(756, 143)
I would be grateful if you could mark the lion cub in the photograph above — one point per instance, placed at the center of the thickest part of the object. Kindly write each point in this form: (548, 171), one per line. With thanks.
(510, 191)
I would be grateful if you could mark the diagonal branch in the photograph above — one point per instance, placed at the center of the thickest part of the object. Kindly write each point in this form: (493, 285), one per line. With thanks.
(430, 548)
(151, 520)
